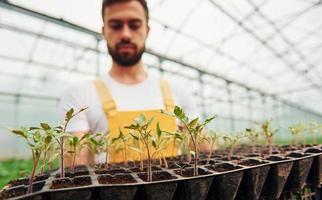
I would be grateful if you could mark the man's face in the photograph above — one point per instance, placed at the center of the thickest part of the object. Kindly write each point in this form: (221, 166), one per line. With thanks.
(125, 30)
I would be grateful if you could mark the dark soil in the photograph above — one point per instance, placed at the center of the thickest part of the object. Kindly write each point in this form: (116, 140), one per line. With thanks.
(76, 173)
(116, 179)
(313, 150)
(77, 168)
(296, 155)
(22, 190)
(173, 165)
(157, 176)
(25, 181)
(188, 172)
(252, 155)
(222, 167)
(184, 164)
(71, 182)
(200, 162)
(251, 162)
(137, 169)
(225, 158)
(112, 171)
(276, 158)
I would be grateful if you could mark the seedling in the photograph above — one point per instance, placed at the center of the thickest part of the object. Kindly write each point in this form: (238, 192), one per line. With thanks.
(136, 146)
(101, 143)
(194, 129)
(122, 145)
(60, 135)
(313, 127)
(37, 143)
(252, 135)
(77, 144)
(141, 127)
(294, 131)
(232, 141)
(211, 138)
(160, 141)
(268, 133)
(48, 146)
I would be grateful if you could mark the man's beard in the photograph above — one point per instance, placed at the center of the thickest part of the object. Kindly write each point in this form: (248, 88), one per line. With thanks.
(126, 59)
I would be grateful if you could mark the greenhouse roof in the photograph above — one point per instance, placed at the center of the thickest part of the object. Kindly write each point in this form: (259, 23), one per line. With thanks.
(270, 46)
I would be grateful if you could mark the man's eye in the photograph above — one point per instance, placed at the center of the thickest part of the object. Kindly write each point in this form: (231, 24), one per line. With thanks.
(116, 25)
(134, 25)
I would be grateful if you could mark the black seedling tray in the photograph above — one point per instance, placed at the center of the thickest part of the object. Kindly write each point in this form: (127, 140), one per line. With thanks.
(241, 179)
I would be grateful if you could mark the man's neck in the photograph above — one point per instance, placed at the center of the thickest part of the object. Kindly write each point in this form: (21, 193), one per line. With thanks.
(128, 75)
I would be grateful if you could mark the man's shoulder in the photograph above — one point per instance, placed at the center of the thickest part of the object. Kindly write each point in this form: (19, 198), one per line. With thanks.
(79, 87)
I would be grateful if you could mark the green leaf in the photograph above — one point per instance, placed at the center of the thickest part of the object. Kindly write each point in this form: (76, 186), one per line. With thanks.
(33, 128)
(95, 141)
(36, 137)
(45, 126)
(158, 130)
(81, 110)
(150, 121)
(209, 120)
(132, 126)
(69, 114)
(134, 136)
(140, 119)
(193, 122)
(178, 136)
(75, 140)
(19, 133)
(178, 111)
(136, 149)
(154, 143)
(85, 136)
(48, 139)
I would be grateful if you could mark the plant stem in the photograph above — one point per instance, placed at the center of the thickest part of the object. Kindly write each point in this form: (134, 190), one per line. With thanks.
(43, 164)
(62, 170)
(125, 154)
(149, 171)
(173, 147)
(73, 163)
(195, 148)
(270, 148)
(314, 138)
(32, 176)
(195, 167)
(254, 146)
(165, 161)
(293, 141)
(140, 155)
(106, 159)
(210, 153)
(230, 152)
(160, 160)
(303, 139)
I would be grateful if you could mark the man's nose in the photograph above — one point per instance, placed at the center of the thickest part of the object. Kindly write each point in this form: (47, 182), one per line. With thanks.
(126, 32)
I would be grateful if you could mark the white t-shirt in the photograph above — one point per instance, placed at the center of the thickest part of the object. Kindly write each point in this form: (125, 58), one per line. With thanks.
(145, 95)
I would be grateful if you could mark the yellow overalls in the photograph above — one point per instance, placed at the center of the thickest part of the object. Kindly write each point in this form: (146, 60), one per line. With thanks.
(117, 120)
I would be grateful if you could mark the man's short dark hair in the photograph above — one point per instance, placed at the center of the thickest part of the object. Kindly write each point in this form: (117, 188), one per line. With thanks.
(107, 3)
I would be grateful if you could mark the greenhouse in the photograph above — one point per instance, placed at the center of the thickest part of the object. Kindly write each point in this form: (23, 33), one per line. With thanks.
(249, 70)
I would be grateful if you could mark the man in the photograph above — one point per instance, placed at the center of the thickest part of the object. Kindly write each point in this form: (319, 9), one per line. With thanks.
(127, 90)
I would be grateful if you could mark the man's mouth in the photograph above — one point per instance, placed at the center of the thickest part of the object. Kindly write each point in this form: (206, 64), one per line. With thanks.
(125, 47)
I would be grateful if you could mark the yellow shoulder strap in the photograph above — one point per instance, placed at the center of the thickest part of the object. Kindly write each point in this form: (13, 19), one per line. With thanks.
(105, 96)
(167, 96)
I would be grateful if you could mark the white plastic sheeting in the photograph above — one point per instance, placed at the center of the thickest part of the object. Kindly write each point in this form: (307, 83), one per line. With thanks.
(269, 45)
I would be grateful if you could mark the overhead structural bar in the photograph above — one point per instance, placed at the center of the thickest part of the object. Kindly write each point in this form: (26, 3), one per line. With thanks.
(278, 55)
